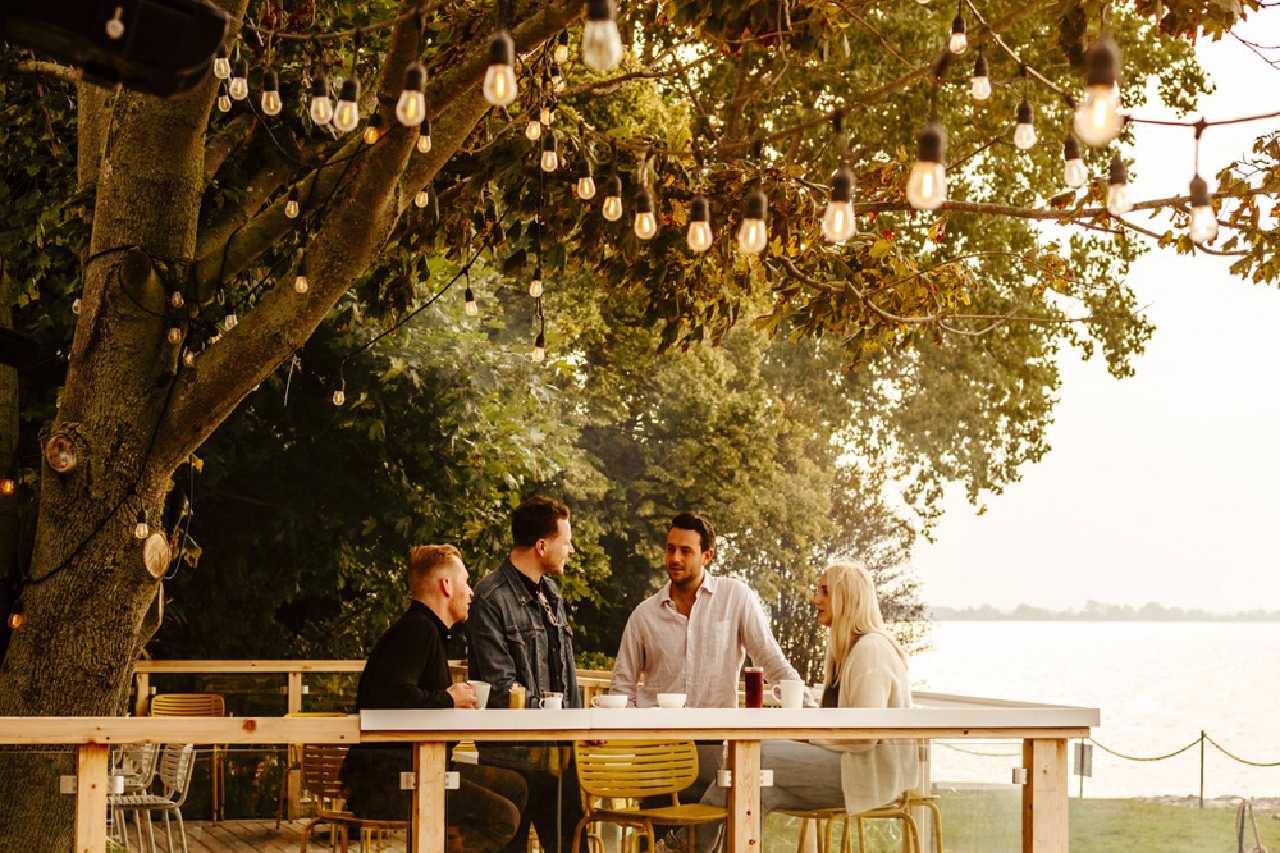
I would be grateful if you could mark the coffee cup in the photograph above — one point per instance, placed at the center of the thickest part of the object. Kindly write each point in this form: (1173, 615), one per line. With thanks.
(552, 701)
(610, 700)
(671, 700)
(482, 692)
(516, 696)
(790, 693)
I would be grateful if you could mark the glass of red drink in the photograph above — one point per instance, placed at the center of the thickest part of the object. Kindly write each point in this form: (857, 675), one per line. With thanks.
(753, 678)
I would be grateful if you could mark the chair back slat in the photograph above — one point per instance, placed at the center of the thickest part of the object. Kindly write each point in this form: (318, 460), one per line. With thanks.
(177, 761)
(635, 768)
(321, 763)
(188, 705)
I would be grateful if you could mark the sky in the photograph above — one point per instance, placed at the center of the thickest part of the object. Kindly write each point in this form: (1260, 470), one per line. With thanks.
(1165, 486)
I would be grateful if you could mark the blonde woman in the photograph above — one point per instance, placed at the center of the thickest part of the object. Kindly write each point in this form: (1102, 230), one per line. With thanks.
(865, 668)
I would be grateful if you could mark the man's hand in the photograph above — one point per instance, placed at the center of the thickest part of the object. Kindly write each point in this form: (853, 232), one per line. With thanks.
(463, 695)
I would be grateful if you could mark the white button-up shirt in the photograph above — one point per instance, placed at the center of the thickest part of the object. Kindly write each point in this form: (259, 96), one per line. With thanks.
(701, 655)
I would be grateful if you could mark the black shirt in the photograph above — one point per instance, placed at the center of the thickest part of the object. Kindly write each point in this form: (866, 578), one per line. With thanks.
(409, 666)
(541, 593)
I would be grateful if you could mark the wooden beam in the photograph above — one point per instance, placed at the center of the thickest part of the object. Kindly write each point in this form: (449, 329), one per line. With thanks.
(427, 825)
(142, 693)
(206, 667)
(198, 730)
(1044, 796)
(91, 798)
(294, 781)
(743, 828)
(713, 733)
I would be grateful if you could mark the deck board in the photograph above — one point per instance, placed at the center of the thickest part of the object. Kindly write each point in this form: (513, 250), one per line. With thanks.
(261, 836)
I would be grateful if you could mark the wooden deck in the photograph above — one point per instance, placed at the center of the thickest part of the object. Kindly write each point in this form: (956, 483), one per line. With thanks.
(242, 836)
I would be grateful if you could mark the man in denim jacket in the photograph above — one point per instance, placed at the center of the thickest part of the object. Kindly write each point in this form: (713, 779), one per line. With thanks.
(518, 633)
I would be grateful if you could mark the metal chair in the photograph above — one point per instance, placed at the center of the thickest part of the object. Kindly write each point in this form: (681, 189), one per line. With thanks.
(137, 764)
(823, 821)
(174, 772)
(900, 809)
(200, 705)
(321, 764)
(635, 770)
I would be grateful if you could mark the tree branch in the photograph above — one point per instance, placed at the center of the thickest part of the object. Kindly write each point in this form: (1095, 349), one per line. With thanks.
(50, 69)
(1064, 216)
(223, 143)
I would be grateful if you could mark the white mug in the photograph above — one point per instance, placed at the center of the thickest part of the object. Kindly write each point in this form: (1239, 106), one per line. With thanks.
(482, 692)
(610, 700)
(552, 701)
(790, 692)
(671, 700)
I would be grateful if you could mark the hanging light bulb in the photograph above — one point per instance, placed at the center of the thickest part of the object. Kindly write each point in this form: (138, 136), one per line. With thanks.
(500, 78)
(174, 335)
(422, 199)
(1098, 119)
(547, 114)
(1024, 134)
(321, 105)
(550, 159)
(535, 283)
(239, 85)
(347, 114)
(189, 358)
(959, 41)
(539, 353)
(612, 209)
(1204, 222)
(753, 234)
(561, 53)
(646, 225)
(141, 530)
(699, 235)
(270, 100)
(533, 130)
(557, 78)
(339, 397)
(17, 618)
(221, 64)
(230, 321)
(585, 188)
(373, 129)
(424, 137)
(300, 284)
(469, 305)
(838, 223)
(927, 185)
(291, 207)
(175, 299)
(411, 109)
(980, 82)
(1118, 201)
(601, 41)
(1074, 173)
(7, 486)
(224, 100)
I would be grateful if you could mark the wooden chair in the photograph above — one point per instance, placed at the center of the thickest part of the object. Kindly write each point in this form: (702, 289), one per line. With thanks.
(200, 705)
(635, 770)
(321, 764)
(293, 763)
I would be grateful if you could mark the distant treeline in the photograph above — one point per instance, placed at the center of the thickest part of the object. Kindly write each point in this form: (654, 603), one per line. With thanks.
(1099, 611)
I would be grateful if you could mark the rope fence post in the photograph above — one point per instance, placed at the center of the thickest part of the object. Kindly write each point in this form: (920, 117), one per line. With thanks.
(1202, 768)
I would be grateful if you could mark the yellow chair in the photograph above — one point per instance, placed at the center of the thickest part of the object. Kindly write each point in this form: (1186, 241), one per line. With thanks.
(200, 705)
(635, 770)
(900, 809)
(824, 821)
(321, 764)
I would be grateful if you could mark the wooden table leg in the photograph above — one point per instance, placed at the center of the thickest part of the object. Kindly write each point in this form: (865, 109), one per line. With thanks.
(91, 798)
(743, 829)
(1044, 796)
(427, 825)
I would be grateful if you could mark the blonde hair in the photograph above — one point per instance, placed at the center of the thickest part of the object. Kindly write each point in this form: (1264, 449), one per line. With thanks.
(855, 611)
(425, 559)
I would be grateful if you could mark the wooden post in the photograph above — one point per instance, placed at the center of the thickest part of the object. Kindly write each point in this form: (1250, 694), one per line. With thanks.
(744, 797)
(427, 825)
(1044, 796)
(294, 754)
(142, 701)
(91, 798)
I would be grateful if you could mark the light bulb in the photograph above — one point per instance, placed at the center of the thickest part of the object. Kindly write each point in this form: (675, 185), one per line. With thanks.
(291, 207)
(221, 64)
(189, 358)
(424, 138)
(339, 397)
(470, 306)
(115, 25)
(1098, 119)
(557, 78)
(1204, 222)
(980, 82)
(585, 188)
(300, 284)
(699, 235)
(75, 306)
(500, 77)
(539, 349)
(601, 41)
(229, 322)
(959, 42)
(753, 234)
(411, 109)
(174, 335)
(1074, 173)
(373, 130)
(1024, 134)
(321, 104)
(547, 114)
(550, 159)
(347, 114)
(535, 284)
(645, 224)
(270, 101)
(561, 53)
(422, 199)
(533, 130)
(176, 300)
(838, 223)
(7, 486)
(1118, 201)
(224, 102)
(239, 85)
(927, 185)
(141, 530)
(612, 209)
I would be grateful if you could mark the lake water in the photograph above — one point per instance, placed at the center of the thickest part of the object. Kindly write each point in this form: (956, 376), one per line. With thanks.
(1157, 685)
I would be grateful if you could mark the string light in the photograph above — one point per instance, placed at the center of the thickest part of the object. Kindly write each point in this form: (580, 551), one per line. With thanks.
(1204, 222)
(557, 78)
(174, 335)
(980, 82)
(612, 209)
(927, 185)
(221, 64)
(373, 129)
(347, 114)
(1024, 134)
(175, 299)
(550, 159)
(645, 224)
(270, 100)
(1118, 201)
(321, 104)
(699, 236)
(500, 77)
(585, 187)
(422, 199)
(424, 137)
(141, 530)
(561, 53)
(601, 41)
(1074, 173)
(535, 283)
(115, 25)
(838, 222)
(300, 283)
(1098, 119)
(547, 114)
(291, 207)
(753, 233)
(339, 397)
(539, 353)
(959, 42)
(230, 321)
(224, 100)
(17, 618)
(189, 358)
(239, 84)
(469, 305)
(533, 130)
(411, 109)
(7, 486)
